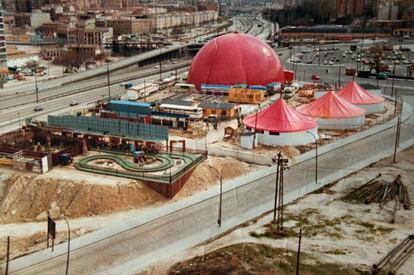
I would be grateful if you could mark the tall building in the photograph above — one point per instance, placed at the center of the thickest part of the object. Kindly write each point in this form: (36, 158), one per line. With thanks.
(3, 53)
(371, 7)
(349, 8)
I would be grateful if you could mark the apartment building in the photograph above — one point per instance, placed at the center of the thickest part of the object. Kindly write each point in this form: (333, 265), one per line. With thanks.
(130, 26)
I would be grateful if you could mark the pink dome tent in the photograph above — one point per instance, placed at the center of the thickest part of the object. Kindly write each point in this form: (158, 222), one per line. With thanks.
(280, 124)
(356, 95)
(235, 58)
(334, 112)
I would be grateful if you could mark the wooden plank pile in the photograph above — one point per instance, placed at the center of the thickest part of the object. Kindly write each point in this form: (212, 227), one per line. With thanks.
(380, 191)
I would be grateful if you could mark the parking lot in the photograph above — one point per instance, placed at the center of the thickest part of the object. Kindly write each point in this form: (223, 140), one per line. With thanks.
(357, 58)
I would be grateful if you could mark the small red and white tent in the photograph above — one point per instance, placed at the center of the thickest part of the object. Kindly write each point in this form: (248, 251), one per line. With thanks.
(357, 95)
(334, 112)
(280, 124)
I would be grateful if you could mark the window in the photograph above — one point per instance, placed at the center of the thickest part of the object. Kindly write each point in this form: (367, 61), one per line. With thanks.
(259, 131)
(274, 133)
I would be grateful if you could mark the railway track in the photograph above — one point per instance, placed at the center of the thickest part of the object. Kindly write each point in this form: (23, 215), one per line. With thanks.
(395, 258)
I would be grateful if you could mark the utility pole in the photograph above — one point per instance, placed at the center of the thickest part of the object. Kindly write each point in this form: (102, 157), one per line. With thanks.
(7, 255)
(221, 200)
(397, 139)
(160, 64)
(36, 87)
(108, 80)
(255, 125)
(278, 209)
(395, 101)
(339, 76)
(298, 256)
(393, 80)
(67, 258)
(316, 155)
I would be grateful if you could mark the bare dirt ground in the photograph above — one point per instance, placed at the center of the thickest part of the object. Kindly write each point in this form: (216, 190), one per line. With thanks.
(336, 233)
(90, 201)
(205, 176)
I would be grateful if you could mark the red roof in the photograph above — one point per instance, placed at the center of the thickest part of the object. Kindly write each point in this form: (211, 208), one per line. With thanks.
(358, 95)
(280, 117)
(331, 106)
(235, 58)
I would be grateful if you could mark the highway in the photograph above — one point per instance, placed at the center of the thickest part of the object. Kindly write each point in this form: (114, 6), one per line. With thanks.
(29, 97)
(76, 77)
(10, 117)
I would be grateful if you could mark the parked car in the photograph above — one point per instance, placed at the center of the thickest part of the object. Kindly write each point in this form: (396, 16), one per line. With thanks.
(350, 71)
(316, 77)
(38, 108)
(382, 75)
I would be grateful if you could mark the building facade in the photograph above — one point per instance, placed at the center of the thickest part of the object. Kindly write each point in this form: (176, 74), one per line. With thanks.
(3, 53)
(130, 26)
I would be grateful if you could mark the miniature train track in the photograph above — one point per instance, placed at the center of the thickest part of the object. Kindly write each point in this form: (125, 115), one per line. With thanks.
(395, 258)
(132, 171)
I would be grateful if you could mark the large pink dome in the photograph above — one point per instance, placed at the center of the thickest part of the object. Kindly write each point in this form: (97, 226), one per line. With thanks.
(235, 58)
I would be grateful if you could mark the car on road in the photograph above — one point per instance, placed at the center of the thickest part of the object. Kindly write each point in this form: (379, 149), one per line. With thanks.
(316, 77)
(382, 75)
(331, 63)
(156, 66)
(350, 71)
(38, 108)
(73, 103)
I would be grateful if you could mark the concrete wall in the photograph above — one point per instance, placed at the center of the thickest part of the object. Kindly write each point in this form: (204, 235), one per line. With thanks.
(372, 108)
(292, 138)
(341, 123)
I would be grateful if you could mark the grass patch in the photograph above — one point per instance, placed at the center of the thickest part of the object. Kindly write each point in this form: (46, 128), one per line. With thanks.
(249, 258)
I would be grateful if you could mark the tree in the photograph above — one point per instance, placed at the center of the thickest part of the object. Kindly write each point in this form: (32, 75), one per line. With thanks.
(410, 70)
(115, 46)
(32, 65)
(377, 53)
(71, 59)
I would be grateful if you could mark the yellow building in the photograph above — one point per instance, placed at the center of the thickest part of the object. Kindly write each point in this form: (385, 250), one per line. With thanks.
(243, 95)
(220, 110)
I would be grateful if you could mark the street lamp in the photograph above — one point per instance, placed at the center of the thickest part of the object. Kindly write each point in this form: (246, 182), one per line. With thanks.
(221, 193)
(36, 87)
(67, 259)
(316, 155)
(109, 82)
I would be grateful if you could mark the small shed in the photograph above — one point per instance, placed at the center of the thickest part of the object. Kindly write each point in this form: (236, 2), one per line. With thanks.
(222, 110)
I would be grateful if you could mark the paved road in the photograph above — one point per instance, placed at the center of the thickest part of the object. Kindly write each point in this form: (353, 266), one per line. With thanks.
(56, 83)
(158, 239)
(10, 101)
(10, 117)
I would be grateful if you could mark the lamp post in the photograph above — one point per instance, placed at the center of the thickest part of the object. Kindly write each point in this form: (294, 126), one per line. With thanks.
(108, 80)
(67, 258)
(221, 194)
(36, 87)
(316, 155)
(255, 125)
(160, 63)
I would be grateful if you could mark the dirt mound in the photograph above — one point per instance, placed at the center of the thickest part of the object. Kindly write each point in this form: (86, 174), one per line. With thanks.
(29, 198)
(204, 175)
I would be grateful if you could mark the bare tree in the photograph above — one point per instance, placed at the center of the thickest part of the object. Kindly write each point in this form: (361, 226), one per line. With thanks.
(377, 53)
(71, 59)
(32, 65)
